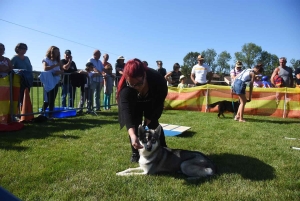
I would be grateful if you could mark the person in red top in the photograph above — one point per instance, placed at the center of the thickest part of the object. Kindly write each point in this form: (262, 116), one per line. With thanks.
(105, 60)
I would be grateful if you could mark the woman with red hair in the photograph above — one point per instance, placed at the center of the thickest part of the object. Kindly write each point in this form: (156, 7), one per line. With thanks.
(141, 93)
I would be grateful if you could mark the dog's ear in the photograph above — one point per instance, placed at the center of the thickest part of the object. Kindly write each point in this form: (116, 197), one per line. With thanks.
(141, 130)
(158, 130)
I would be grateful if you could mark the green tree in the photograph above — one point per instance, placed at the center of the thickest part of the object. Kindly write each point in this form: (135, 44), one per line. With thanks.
(186, 71)
(222, 61)
(295, 63)
(209, 58)
(249, 54)
(189, 61)
(270, 62)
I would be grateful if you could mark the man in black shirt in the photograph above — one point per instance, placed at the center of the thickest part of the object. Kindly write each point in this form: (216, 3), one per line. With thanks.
(69, 66)
(160, 69)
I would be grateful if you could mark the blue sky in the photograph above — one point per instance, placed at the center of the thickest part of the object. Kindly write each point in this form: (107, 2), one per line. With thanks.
(149, 29)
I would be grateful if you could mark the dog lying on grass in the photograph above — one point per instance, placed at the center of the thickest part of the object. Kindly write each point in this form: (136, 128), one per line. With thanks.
(157, 159)
(226, 106)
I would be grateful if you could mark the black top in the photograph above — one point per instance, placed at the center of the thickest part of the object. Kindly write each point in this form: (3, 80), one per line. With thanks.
(132, 106)
(121, 66)
(162, 71)
(72, 69)
(175, 77)
(297, 71)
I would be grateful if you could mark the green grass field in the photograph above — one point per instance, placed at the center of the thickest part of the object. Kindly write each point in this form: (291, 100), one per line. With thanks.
(77, 159)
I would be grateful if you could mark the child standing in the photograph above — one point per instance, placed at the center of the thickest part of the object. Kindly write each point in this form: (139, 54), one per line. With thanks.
(88, 91)
(108, 86)
(182, 84)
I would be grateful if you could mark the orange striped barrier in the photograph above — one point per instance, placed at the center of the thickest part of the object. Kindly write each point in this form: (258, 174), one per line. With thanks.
(5, 97)
(277, 102)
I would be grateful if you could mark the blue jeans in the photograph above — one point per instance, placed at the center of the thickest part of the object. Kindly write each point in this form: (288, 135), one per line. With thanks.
(239, 87)
(96, 87)
(67, 90)
(107, 101)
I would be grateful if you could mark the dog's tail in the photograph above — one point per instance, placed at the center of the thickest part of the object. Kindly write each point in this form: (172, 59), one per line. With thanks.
(214, 104)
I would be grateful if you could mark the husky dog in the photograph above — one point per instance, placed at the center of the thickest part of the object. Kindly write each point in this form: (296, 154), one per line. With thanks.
(226, 106)
(156, 159)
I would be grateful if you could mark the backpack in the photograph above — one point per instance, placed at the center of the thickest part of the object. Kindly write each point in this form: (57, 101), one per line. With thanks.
(278, 81)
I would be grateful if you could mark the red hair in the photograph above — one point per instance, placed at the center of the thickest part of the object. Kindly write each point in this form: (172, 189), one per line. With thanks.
(133, 68)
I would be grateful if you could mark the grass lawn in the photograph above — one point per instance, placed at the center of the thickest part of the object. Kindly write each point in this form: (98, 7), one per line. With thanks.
(77, 159)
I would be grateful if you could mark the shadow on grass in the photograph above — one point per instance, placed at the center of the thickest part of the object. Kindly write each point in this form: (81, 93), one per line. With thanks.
(11, 140)
(248, 167)
(186, 134)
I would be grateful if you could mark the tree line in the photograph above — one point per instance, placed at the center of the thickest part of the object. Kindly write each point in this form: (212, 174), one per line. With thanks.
(251, 54)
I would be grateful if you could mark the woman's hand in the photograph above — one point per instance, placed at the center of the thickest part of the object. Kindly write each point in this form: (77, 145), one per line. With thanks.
(135, 142)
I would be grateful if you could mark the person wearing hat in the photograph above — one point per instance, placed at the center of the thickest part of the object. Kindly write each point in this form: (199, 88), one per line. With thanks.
(97, 81)
(182, 83)
(160, 69)
(257, 81)
(236, 70)
(173, 76)
(69, 66)
(200, 72)
(119, 66)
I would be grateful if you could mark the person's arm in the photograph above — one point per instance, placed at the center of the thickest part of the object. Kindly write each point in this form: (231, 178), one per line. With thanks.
(68, 64)
(30, 66)
(4, 68)
(275, 72)
(291, 79)
(251, 86)
(47, 67)
(298, 75)
(209, 75)
(167, 77)
(193, 78)
(60, 71)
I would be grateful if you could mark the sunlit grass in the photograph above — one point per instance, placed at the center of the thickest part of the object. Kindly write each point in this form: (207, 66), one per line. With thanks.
(77, 158)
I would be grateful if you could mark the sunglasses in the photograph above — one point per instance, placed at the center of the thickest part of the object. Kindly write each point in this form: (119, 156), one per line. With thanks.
(137, 84)
(22, 48)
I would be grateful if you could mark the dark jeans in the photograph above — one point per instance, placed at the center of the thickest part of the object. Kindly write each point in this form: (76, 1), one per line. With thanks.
(51, 95)
(68, 90)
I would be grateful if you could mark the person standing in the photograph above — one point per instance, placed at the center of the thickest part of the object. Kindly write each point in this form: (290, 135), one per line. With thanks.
(97, 81)
(285, 72)
(5, 63)
(108, 86)
(53, 67)
(175, 75)
(105, 60)
(69, 66)
(119, 66)
(297, 74)
(22, 62)
(236, 71)
(160, 68)
(201, 73)
(141, 95)
(239, 88)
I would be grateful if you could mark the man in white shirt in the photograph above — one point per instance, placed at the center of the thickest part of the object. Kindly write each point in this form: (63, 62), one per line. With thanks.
(201, 73)
(97, 81)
